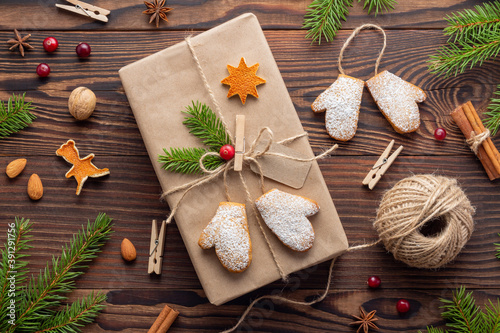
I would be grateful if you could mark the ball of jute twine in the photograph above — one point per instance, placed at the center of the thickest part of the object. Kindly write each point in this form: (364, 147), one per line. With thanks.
(419, 200)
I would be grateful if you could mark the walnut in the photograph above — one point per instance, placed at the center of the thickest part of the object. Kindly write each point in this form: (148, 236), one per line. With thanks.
(81, 103)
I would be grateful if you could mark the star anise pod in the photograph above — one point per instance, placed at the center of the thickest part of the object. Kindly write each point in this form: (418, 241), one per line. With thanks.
(365, 320)
(157, 10)
(21, 42)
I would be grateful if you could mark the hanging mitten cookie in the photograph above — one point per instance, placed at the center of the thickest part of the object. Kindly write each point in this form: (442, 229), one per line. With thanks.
(341, 101)
(228, 233)
(286, 215)
(397, 100)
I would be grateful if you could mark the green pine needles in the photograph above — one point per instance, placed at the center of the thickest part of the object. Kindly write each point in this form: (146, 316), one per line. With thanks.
(474, 37)
(15, 115)
(493, 120)
(324, 17)
(204, 124)
(36, 304)
(463, 315)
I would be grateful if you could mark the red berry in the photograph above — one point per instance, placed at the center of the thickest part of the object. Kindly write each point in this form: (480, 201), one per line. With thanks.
(403, 306)
(83, 50)
(440, 134)
(50, 44)
(226, 152)
(374, 282)
(43, 70)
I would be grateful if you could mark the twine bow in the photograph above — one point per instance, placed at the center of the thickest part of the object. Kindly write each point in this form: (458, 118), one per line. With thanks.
(476, 140)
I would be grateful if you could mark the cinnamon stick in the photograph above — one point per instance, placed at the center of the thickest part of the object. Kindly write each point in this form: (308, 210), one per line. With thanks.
(165, 319)
(483, 129)
(462, 122)
(469, 113)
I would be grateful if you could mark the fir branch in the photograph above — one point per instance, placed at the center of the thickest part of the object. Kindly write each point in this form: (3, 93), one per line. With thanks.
(463, 315)
(187, 160)
(75, 316)
(455, 58)
(379, 5)
(15, 115)
(324, 18)
(13, 268)
(493, 123)
(204, 124)
(45, 291)
(470, 24)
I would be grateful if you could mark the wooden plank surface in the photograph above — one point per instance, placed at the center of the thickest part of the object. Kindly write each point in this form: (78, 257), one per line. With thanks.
(131, 193)
(196, 14)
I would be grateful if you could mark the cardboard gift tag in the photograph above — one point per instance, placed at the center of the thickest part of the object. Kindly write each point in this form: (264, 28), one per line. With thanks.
(160, 86)
(283, 170)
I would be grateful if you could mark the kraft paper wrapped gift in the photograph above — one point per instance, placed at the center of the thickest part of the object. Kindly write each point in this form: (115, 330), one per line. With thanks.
(160, 86)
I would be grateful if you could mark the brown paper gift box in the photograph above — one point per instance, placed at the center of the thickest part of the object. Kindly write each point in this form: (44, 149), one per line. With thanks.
(160, 86)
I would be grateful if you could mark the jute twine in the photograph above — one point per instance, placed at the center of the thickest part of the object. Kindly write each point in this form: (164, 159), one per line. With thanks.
(354, 34)
(475, 141)
(416, 201)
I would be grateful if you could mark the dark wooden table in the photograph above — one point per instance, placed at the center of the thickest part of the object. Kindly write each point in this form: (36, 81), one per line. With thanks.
(131, 193)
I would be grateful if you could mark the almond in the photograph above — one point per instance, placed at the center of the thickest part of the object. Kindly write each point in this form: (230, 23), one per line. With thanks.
(15, 167)
(128, 250)
(35, 187)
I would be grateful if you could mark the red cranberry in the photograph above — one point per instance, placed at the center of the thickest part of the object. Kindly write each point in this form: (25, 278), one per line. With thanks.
(440, 134)
(43, 70)
(403, 306)
(227, 152)
(50, 44)
(83, 50)
(374, 282)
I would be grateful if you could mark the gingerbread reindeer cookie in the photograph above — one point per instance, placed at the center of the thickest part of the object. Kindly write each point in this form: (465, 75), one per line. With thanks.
(341, 101)
(397, 100)
(286, 215)
(228, 233)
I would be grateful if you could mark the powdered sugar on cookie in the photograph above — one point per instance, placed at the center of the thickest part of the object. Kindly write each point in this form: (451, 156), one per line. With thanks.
(286, 215)
(341, 101)
(228, 232)
(397, 99)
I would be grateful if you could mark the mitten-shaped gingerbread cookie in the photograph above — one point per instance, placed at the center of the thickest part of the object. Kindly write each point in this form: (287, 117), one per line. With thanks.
(397, 100)
(341, 101)
(286, 215)
(228, 232)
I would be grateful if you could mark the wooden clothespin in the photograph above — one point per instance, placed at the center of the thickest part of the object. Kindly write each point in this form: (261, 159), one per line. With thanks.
(381, 166)
(82, 8)
(156, 248)
(239, 147)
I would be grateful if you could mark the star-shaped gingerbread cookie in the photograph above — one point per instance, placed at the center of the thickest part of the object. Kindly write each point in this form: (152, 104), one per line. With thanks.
(82, 167)
(243, 80)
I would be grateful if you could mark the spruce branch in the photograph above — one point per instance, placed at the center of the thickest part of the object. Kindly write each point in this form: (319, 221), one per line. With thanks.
(13, 268)
(187, 160)
(43, 293)
(324, 18)
(470, 24)
(204, 124)
(463, 315)
(15, 115)
(80, 313)
(493, 124)
(379, 5)
(455, 58)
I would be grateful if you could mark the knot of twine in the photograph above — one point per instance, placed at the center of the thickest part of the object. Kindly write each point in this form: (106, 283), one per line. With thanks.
(354, 34)
(417, 202)
(476, 140)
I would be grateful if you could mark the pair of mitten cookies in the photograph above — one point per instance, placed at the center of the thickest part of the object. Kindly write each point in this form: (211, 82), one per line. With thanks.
(284, 213)
(396, 99)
